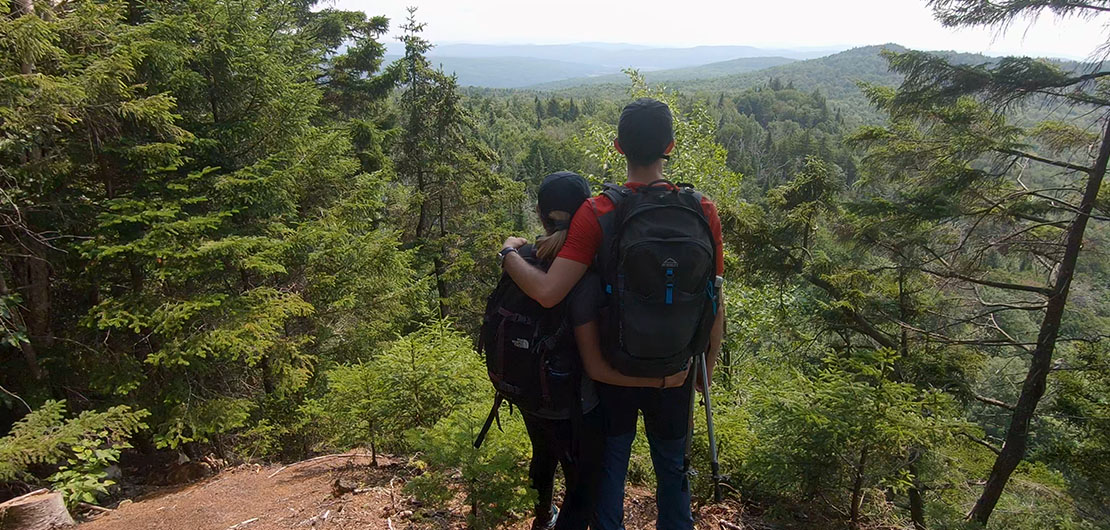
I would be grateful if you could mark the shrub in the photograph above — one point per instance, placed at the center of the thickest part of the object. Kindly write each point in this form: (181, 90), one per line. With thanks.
(418, 380)
(494, 477)
(88, 444)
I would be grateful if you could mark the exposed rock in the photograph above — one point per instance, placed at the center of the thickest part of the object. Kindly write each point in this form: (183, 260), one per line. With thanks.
(343, 486)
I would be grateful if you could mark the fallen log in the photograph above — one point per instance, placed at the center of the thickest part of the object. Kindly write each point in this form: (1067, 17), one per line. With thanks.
(38, 510)
(315, 459)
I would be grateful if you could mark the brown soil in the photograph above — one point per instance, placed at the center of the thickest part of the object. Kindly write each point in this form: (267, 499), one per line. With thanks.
(303, 496)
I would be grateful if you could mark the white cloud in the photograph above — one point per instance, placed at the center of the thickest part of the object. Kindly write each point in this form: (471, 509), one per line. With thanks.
(797, 23)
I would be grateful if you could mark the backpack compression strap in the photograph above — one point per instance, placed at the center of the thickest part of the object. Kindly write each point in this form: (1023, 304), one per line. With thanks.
(493, 415)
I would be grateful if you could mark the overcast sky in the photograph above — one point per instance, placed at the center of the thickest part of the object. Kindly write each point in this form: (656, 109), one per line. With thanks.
(763, 23)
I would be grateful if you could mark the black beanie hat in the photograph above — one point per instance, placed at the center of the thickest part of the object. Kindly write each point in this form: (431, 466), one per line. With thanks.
(563, 191)
(645, 130)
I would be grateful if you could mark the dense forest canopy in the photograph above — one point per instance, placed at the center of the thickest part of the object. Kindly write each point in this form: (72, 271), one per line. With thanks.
(233, 227)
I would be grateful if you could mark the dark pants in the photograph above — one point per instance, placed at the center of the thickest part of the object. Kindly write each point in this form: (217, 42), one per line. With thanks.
(553, 443)
(667, 422)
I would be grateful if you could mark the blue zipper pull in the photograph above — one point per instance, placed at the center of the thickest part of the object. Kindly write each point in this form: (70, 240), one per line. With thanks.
(670, 286)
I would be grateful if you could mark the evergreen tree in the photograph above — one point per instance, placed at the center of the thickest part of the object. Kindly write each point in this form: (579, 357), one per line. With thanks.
(456, 194)
(1013, 241)
(553, 107)
(179, 234)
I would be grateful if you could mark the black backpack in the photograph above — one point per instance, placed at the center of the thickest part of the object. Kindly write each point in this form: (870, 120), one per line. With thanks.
(658, 264)
(529, 351)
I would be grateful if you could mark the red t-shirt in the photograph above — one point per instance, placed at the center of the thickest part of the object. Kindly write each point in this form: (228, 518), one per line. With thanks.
(584, 235)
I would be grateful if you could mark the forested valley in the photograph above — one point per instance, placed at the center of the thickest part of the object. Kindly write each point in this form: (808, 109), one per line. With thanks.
(231, 228)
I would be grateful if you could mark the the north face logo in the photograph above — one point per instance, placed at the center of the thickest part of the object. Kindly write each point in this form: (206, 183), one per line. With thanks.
(670, 262)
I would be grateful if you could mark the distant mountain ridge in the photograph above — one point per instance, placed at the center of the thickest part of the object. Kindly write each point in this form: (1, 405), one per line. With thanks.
(620, 55)
(588, 67)
(835, 76)
(510, 72)
(518, 66)
(705, 71)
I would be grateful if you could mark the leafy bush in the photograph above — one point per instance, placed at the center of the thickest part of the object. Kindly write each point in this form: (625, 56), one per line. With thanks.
(494, 477)
(418, 380)
(85, 476)
(88, 444)
(840, 433)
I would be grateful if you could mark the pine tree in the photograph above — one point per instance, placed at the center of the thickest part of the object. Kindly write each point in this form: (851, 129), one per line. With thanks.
(456, 194)
(553, 107)
(946, 123)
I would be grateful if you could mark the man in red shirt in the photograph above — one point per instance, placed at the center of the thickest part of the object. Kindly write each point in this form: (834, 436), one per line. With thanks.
(645, 137)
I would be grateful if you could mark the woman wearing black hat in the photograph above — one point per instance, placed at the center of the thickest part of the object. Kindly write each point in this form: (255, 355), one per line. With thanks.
(568, 437)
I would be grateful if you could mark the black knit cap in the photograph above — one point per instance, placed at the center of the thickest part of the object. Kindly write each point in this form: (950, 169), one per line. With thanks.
(563, 191)
(645, 130)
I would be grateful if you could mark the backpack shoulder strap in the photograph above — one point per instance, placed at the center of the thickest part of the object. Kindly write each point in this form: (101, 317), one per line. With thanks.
(694, 199)
(615, 192)
(609, 221)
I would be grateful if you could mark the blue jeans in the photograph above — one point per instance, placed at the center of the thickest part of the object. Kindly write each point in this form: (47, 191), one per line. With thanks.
(666, 421)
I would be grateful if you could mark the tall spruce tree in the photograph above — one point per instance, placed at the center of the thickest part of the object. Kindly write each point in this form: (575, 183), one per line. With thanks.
(1008, 208)
(459, 201)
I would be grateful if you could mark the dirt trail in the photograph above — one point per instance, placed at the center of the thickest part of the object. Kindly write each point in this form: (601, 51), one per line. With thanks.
(302, 496)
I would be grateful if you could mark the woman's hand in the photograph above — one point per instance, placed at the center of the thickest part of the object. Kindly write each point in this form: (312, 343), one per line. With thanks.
(515, 242)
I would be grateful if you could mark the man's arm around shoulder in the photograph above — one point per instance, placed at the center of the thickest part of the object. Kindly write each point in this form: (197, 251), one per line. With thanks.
(548, 288)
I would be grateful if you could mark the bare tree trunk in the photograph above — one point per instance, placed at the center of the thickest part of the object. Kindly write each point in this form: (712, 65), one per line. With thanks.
(25, 8)
(37, 299)
(917, 504)
(36, 278)
(440, 266)
(857, 489)
(28, 349)
(1017, 435)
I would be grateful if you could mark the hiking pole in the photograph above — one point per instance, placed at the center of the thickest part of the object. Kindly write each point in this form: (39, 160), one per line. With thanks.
(690, 429)
(716, 466)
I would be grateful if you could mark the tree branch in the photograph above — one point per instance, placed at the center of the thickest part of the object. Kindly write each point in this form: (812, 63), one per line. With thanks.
(1043, 160)
(1001, 285)
(982, 442)
(992, 401)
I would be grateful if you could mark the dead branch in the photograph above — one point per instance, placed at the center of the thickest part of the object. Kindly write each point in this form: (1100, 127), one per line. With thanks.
(94, 507)
(729, 526)
(992, 401)
(242, 524)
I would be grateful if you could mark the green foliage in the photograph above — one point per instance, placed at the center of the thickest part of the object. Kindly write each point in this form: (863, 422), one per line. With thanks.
(819, 431)
(493, 480)
(697, 159)
(420, 379)
(87, 443)
(456, 195)
(234, 215)
(84, 475)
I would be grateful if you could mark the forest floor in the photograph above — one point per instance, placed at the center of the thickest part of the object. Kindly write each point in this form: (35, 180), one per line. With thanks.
(315, 494)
